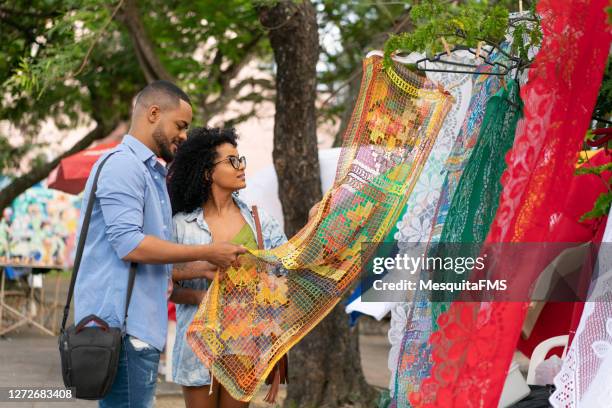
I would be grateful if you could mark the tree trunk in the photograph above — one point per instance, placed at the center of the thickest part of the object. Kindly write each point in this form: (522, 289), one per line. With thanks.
(325, 367)
(295, 41)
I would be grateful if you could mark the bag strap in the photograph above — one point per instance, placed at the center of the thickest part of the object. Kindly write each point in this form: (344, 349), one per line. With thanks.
(258, 228)
(81, 247)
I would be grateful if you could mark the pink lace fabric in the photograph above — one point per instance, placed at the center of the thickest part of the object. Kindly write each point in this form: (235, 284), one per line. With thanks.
(473, 348)
(585, 379)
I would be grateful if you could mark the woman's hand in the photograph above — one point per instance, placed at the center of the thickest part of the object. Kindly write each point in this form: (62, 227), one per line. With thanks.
(194, 270)
(210, 273)
(187, 296)
(313, 210)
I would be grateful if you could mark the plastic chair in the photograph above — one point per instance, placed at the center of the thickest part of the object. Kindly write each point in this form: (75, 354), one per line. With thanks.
(541, 351)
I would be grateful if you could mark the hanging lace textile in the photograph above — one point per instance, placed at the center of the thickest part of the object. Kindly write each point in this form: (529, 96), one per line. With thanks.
(252, 317)
(542, 321)
(585, 379)
(475, 201)
(416, 223)
(414, 359)
(470, 214)
(473, 348)
(485, 86)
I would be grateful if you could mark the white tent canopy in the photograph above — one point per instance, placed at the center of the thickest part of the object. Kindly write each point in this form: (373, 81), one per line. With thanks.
(262, 187)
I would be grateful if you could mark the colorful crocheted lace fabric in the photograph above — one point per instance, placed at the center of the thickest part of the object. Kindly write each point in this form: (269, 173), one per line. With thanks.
(414, 360)
(254, 316)
(473, 347)
(414, 227)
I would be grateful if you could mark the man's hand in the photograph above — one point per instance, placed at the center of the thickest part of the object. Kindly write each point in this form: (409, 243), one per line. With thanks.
(223, 254)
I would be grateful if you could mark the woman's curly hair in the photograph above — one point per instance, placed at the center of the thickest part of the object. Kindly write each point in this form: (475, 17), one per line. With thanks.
(189, 174)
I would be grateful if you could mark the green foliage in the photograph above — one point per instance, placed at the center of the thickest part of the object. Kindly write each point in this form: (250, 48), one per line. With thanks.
(53, 62)
(603, 107)
(67, 61)
(601, 207)
(461, 23)
(351, 29)
(42, 45)
(180, 30)
(70, 62)
(594, 170)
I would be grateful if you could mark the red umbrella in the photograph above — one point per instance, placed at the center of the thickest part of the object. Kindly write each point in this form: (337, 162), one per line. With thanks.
(71, 175)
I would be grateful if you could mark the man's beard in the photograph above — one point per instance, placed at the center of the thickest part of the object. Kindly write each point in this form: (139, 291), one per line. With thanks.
(163, 145)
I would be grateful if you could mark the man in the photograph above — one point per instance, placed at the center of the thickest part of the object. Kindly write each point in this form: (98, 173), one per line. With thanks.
(131, 221)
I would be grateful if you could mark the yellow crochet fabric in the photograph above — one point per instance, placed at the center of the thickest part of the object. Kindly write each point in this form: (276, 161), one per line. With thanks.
(252, 317)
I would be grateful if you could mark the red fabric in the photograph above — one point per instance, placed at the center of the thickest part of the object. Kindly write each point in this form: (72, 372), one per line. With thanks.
(556, 317)
(171, 311)
(473, 348)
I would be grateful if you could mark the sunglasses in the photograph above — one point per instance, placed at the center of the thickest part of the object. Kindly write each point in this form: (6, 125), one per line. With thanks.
(235, 161)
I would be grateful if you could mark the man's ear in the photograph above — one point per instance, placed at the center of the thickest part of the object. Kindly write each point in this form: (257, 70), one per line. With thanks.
(153, 113)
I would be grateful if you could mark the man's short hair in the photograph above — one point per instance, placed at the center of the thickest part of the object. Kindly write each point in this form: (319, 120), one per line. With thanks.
(162, 93)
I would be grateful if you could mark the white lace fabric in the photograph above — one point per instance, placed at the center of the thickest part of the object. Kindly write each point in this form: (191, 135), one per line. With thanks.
(416, 224)
(585, 380)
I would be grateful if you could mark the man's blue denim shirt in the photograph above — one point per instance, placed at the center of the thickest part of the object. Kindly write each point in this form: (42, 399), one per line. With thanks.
(131, 202)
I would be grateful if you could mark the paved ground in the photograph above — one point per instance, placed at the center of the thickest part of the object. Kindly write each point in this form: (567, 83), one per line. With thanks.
(32, 359)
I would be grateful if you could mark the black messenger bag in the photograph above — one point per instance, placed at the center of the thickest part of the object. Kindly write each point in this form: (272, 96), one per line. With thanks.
(90, 354)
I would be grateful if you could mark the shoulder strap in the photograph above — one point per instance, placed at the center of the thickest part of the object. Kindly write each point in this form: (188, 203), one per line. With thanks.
(258, 228)
(81, 247)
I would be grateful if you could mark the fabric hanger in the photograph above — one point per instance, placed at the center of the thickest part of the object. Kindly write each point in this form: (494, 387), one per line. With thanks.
(469, 68)
(606, 136)
(410, 63)
(406, 61)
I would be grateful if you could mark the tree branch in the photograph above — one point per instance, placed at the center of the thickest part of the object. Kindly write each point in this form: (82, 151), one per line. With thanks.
(234, 68)
(96, 39)
(149, 62)
(241, 118)
(38, 173)
(224, 78)
(211, 109)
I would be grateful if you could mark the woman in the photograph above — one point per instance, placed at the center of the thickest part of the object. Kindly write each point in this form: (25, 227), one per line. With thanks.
(204, 179)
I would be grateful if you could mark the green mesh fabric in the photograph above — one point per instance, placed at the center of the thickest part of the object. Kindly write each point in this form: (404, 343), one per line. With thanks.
(475, 201)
